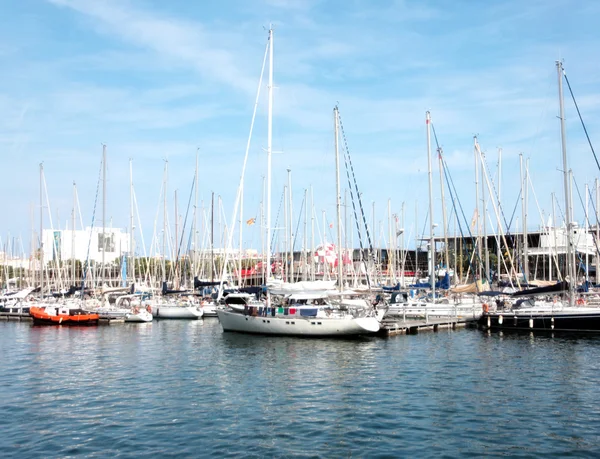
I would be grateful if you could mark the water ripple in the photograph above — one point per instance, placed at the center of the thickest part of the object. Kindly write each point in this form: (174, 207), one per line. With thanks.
(185, 389)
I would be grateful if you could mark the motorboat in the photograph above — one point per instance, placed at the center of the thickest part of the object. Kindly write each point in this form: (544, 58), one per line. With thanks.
(62, 315)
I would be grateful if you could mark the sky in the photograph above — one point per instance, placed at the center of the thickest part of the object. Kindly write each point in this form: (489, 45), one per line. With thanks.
(163, 81)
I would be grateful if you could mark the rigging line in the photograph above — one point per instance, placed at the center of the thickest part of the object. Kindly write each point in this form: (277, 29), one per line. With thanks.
(185, 224)
(586, 217)
(85, 267)
(273, 235)
(500, 207)
(447, 173)
(450, 183)
(454, 198)
(514, 212)
(300, 215)
(496, 196)
(424, 227)
(593, 205)
(185, 221)
(347, 148)
(357, 221)
(581, 119)
(347, 152)
(508, 233)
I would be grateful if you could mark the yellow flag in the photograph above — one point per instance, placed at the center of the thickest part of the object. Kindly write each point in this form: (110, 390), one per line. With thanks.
(474, 219)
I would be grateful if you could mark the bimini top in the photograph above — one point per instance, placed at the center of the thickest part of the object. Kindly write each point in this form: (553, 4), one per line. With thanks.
(307, 296)
(277, 287)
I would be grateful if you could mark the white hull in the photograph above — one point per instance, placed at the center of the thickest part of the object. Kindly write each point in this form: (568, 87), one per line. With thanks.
(297, 326)
(137, 317)
(209, 310)
(112, 313)
(177, 312)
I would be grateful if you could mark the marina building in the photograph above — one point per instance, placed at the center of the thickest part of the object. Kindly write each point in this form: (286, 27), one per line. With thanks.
(90, 244)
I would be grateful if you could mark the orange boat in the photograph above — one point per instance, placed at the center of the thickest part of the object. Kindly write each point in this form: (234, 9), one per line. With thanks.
(50, 315)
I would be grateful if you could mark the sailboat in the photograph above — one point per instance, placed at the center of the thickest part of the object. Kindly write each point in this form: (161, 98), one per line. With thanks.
(541, 312)
(307, 313)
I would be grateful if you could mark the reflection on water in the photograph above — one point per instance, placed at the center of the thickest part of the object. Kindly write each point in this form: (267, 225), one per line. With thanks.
(187, 389)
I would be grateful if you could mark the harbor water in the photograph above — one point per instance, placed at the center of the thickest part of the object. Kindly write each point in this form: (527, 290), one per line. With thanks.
(186, 389)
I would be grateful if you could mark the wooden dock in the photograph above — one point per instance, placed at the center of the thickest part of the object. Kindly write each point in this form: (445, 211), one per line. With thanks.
(12, 317)
(8, 316)
(393, 327)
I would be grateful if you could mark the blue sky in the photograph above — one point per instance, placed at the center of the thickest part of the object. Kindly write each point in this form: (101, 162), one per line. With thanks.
(158, 80)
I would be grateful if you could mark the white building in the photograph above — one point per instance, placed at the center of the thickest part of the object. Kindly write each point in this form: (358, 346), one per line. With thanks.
(88, 244)
(553, 241)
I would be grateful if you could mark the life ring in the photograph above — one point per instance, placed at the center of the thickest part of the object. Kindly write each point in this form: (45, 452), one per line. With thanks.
(149, 309)
(580, 301)
(485, 307)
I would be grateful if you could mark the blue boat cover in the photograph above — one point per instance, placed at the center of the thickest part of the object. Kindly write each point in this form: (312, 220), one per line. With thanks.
(443, 284)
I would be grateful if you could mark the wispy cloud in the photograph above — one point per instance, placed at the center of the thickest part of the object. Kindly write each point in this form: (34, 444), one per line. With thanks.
(157, 80)
(183, 41)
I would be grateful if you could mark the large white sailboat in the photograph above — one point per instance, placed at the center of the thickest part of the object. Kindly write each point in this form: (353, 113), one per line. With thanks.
(301, 314)
(306, 312)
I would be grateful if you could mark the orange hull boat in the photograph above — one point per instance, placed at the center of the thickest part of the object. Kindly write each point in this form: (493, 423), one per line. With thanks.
(68, 317)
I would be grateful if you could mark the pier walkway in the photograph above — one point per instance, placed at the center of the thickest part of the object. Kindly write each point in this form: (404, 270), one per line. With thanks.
(391, 327)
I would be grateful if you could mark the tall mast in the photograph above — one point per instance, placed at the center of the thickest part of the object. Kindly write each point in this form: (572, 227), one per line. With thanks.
(262, 240)
(312, 234)
(402, 251)
(305, 239)
(284, 253)
(499, 245)
(431, 223)
(103, 215)
(553, 251)
(444, 217)
(73, 236)
(212, 237)
(484, 219)
(269, 153)
(291, 232)
(390, 247)
(241, 232)
(338, 201)
(164, 239)
(131, 227)
(597, 230)
(417, 242)
(524, 187)
(32, 273)
(41, 232)
(477, 241)
(587, 230)
(195, 222)
(176, 246)
(567, 190)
